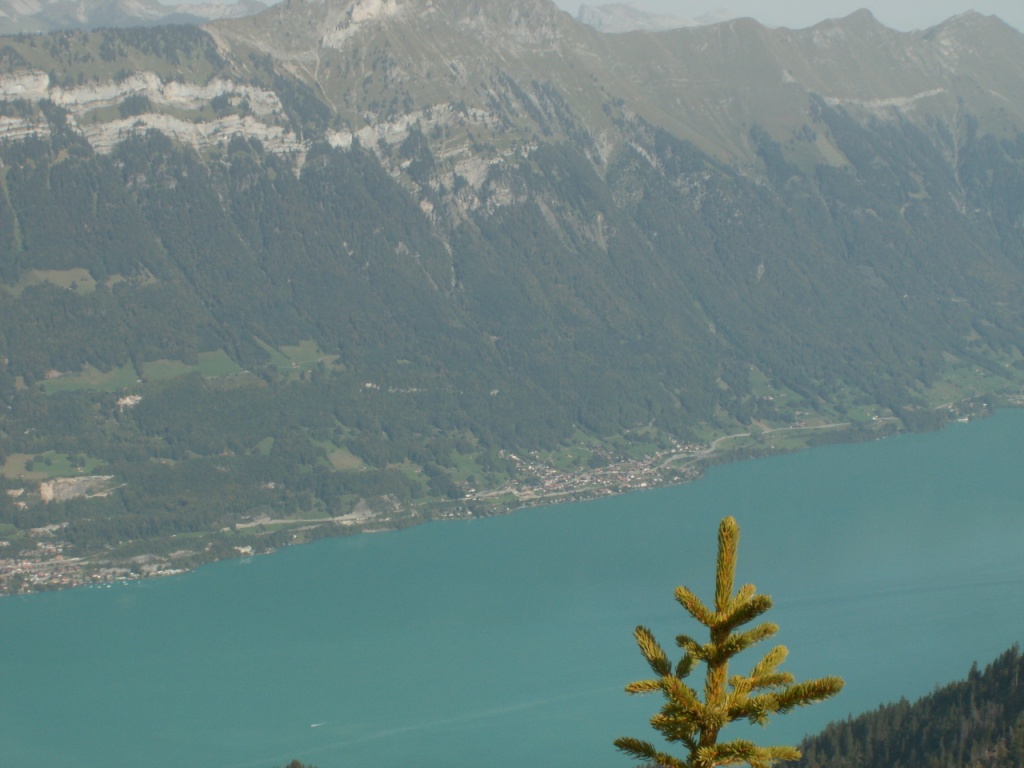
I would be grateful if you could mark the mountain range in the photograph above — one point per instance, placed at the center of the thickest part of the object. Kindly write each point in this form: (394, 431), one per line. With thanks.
(33, 16)
(421, 259)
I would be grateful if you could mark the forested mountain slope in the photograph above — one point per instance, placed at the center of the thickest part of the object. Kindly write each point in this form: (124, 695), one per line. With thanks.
(976, 722)
(372, 261)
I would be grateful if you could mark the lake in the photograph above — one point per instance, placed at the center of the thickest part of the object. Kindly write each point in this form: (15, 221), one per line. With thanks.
(506, 642)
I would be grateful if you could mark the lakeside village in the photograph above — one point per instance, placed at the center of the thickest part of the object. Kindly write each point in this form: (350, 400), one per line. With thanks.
(49, 566)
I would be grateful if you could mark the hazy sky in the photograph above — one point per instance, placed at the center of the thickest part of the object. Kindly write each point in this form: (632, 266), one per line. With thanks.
(899, 14)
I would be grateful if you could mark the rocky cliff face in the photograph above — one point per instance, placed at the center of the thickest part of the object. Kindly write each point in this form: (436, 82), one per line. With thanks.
(487, 78)
(484, 83)
(166, 101)
(533, 68)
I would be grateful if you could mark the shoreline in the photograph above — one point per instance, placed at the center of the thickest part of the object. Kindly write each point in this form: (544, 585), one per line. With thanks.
(51, 570)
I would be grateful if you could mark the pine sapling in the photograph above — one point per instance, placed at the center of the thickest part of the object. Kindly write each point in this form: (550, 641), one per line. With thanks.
(696, 723)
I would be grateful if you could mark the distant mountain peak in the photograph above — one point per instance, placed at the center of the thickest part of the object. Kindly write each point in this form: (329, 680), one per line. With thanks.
(862, 16)
(296, 29)
(972, 25)
(357, 13)
(615, 18)
(971, 20)
(861, 21)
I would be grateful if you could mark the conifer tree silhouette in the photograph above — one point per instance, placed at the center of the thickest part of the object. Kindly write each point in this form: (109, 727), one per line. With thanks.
(696, 724)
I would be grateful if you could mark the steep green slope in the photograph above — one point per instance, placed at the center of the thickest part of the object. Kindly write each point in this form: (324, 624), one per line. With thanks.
(976, 722)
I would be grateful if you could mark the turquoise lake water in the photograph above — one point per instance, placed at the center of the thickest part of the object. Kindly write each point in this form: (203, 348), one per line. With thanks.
(506, 642)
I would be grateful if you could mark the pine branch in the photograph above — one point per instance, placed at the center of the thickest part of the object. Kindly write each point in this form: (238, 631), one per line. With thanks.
(743, 751)
(642, 750)
(679, 692)
(725, 574)
(743, 594)
(644, 686)
(685, 666)
(787, 754)
(673, 728)
(771, 680)
(745, 612)
(770, 661)
(652, 651)
(802, 694)
(694, 606)
(691, 646)
(734, 644)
